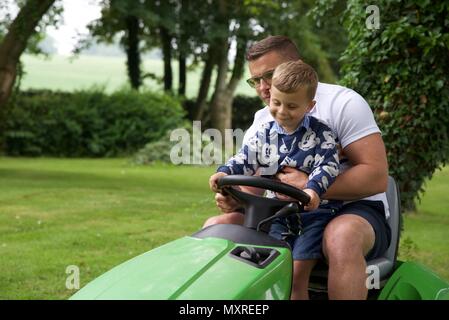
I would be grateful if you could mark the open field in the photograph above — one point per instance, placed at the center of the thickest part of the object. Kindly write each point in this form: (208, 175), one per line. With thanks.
(63, 73)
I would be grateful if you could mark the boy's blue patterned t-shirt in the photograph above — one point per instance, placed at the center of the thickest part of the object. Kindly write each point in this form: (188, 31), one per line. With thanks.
(311, 148)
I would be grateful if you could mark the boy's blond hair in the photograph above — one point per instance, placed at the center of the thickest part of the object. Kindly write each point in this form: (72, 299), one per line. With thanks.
(290, 76)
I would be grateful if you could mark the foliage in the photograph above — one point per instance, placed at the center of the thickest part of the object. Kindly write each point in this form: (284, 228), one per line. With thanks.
(151, 17)
(291, 18)
(51, 18)
(87, 123)
(401, 69)
(330, 36)
(157, 151)
(18, 34)
(243, 109)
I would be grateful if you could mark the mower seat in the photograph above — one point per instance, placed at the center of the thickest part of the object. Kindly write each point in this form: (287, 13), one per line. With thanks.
(386, 263)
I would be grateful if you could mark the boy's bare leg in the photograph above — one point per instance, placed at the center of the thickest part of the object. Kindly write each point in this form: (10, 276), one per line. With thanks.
(301, 275)
(225, 218)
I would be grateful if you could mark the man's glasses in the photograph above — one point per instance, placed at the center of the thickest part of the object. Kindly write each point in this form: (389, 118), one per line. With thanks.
(255, 81)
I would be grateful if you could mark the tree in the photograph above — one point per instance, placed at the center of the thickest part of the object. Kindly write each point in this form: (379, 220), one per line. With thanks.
(239, 32)
(15, 42)
(184, 17)
(291, 18)
(124, 18)
(204, 32)
(400, 66)
(141, 26)
(240, 23)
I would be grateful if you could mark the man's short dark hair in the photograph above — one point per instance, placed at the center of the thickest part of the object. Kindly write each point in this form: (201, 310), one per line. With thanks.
(282, 44)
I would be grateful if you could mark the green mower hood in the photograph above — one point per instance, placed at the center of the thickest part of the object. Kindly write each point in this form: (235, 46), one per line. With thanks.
(192, 268)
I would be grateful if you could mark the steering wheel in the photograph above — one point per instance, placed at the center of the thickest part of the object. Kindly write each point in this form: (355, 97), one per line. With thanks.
(259, 208)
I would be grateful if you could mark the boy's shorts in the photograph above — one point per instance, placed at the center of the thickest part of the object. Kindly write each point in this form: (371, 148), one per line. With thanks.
(307, 245)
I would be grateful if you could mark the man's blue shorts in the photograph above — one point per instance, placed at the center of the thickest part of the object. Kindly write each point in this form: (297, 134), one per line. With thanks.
(374, 213)
(306, 245)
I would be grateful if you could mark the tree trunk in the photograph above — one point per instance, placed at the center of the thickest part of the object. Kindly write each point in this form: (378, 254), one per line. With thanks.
(239, 64)
(220, 113)
(15, 42)
(201, 101)
(221, 106)
(167, 53)
(182, 47)
(132, 51)
(182, 74)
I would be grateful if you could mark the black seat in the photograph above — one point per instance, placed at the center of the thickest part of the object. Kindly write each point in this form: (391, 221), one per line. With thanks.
(387, 261)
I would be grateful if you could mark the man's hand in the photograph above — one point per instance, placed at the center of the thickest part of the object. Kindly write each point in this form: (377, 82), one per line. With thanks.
(314, 200)
(214, 179)
(293, 177)
(368, 174)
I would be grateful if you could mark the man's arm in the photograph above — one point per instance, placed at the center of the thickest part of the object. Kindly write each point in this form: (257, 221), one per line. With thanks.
(368, 174)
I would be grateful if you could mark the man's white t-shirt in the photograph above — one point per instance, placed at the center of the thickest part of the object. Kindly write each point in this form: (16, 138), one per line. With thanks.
(345, 111)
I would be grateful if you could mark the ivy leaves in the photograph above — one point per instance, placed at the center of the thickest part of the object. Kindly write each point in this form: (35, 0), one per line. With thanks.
(401, 69)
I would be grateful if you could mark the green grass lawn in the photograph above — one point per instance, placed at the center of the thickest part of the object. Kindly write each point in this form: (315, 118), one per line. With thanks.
(98, 213)
(425, 236)
(63, 73)
(90, 213)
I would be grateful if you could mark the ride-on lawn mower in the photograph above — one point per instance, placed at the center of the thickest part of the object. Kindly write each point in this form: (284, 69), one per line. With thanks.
(227, 262)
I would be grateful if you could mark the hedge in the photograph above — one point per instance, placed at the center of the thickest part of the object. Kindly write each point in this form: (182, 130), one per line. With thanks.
(87, 123)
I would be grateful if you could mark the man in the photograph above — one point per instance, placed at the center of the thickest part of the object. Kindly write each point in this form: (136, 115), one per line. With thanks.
(359, 231)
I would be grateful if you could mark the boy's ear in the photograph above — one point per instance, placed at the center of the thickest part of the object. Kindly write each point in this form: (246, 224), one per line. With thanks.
(311, 105)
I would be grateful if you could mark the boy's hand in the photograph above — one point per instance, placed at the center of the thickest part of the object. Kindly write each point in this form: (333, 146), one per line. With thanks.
(214, 179)
(314, 200)
(226, 203)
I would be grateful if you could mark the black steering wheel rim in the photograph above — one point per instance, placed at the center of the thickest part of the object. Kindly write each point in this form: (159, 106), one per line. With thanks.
(264, 183)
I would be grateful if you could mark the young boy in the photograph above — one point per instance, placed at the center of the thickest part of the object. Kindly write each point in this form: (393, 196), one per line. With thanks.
(297, 140)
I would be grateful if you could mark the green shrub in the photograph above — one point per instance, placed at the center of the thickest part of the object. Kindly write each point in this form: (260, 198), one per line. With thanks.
(401, 68)
(159, 151)
(243, 110)
(156, 151)
(87, 123)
